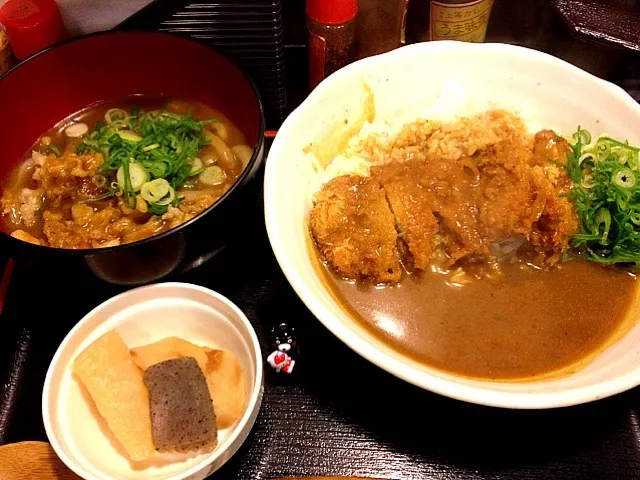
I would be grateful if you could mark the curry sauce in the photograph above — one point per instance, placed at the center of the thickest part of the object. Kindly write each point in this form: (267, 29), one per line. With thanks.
(524, 323)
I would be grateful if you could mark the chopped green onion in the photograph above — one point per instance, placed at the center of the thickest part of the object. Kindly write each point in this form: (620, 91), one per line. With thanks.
(169, 198)
(584, 157)
(602, 150)
(138, 176)
(153, 146)
(127, 189)
(603, 219)
(90, 143)
(52, 148)
(196, 167)
(155, 190)
(587, 181)
(156, 209)
(606, 197)
(130, 136)
(76, 130)
(581, 136)
(115, 115)
(99, 180)
(635, 218)
(174, 142)
(119, 125)
(212, 176)
(138, 147)
(624, 178)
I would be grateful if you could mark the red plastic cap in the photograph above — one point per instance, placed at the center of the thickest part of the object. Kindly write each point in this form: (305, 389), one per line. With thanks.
(332, 12)
(32, 25)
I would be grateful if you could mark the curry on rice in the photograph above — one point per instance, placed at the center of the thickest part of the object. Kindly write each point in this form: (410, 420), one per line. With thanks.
(451, 245)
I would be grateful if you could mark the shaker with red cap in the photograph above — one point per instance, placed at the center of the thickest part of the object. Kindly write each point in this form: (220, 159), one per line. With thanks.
(32, 25)
(332, 33)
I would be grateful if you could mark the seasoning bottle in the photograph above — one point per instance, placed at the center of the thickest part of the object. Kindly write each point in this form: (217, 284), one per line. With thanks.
(32, 25)
(6, 56)
(403, 9)
(380, 26)
(462, 20)
(332, 32)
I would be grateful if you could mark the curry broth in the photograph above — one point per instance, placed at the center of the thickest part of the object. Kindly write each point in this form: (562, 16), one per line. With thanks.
(22, 176)
(526, 323)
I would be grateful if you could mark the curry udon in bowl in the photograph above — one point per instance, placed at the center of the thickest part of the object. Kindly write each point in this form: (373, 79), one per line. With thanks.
(133, 176)
(469, 236)
(122, 171)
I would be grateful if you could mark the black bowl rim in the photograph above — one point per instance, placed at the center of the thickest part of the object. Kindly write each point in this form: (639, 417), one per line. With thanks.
(245, 172)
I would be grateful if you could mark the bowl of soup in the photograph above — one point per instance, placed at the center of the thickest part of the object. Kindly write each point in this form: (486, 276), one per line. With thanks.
(465, 218)
(132, 156)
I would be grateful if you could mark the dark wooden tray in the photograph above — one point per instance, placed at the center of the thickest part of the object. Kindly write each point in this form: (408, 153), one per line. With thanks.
(339, 415)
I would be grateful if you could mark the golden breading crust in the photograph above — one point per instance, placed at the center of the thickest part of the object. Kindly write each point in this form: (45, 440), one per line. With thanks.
(355, 230)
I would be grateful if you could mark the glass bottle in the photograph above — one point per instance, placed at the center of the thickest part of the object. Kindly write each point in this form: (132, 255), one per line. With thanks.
(448, 20)
(332, 33)
(459, 20)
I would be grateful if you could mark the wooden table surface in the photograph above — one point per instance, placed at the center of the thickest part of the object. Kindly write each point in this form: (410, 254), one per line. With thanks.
(339, 415)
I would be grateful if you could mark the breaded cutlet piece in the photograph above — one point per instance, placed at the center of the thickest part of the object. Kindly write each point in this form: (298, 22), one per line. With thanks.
(551, 233)
(411, 206)
(354, 228)
(518, 199)
(451, 186)
(508, 202)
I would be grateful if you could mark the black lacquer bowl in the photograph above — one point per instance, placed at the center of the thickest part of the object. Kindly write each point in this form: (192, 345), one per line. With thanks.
(62, 80)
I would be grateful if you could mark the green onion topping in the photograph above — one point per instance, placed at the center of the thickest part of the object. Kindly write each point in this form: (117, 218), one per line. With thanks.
(606, 195)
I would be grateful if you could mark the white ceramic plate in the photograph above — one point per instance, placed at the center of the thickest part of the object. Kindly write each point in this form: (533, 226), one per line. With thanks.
(142, 316)
(438, 80)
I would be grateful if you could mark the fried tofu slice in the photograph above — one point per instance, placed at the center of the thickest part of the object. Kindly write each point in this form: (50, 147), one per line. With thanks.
(227, 385)
(166, 349)
(115, 384)
(353, 227)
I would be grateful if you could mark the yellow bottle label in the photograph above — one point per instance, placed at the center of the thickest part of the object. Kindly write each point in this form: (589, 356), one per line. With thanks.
(466, 22)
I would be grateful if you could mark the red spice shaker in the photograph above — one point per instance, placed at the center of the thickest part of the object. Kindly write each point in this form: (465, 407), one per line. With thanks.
(32, 25)
(332, 33)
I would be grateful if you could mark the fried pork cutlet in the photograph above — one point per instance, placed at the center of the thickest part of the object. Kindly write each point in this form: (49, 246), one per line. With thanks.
(411, 206)
(434, 209)
(558, 219)
(551, 232)
(509, 201)
(447, 212)
(453, 183)
(521, 195)
(355, 230)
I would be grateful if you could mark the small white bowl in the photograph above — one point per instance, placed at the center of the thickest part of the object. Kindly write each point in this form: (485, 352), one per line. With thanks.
(142, 316)
(438, 80)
